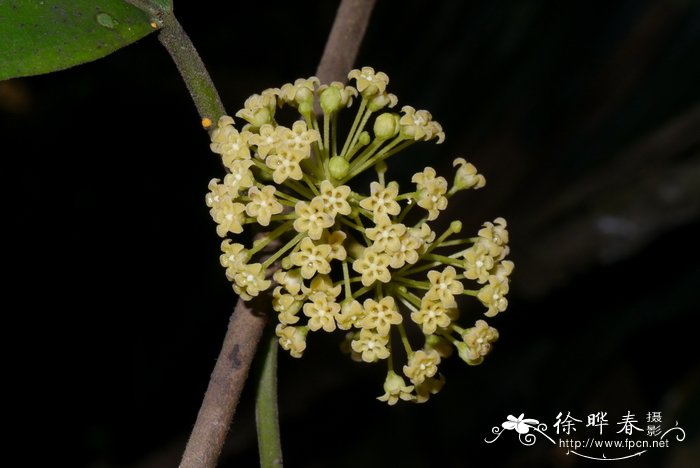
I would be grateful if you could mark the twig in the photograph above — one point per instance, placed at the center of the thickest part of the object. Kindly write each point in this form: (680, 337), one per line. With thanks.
(344, 40)
(225, 386)
(189, 64)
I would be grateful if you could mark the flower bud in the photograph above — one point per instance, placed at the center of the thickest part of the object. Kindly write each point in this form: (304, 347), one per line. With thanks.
(386, 126)
(331, 100)
(338, 167)
(306, 108)
(364, 138)
(304, 96)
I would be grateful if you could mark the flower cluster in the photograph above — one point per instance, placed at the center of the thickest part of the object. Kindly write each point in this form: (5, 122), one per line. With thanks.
(349, 259)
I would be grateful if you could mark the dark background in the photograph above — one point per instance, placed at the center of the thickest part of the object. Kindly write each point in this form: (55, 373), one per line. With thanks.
(585, 119)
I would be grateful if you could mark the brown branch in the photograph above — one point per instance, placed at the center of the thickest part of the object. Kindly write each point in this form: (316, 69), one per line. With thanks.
(246, 324)
(344, 40)
(225, 386)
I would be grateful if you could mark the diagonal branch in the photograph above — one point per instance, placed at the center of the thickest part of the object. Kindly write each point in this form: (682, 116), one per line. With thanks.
(344, 40)
(247, 322)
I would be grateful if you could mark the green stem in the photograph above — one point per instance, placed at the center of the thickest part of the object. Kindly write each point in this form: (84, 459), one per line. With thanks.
(266, 412)
(281, 251)
(189, 64)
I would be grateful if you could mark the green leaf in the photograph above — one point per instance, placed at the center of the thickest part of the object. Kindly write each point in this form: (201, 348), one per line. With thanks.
(44, 36)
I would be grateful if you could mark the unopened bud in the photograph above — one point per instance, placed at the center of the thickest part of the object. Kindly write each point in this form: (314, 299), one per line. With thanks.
(386, 126)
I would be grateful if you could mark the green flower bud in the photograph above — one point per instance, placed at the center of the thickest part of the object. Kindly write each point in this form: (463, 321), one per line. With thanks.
(306, 108)
(262, 116)
(331, 100)
(304, 96)
(364, 138)
(386, 126)
(338, 167)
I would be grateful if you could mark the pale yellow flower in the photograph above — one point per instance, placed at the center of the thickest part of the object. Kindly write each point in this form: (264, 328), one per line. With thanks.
(285, 165)
(381, 315)
(334, 198)
(422, 365)
(381, 100)
(493, 296)
(467, 176)
(259, 109)
(423, 232)
(478, 341)
(299, 138)
(419, 125)
(237, 150)
(370, 345)
(291, 280)
(408, 250)
(262, 204)
(382, 200)
(312, 258)
(218, 192)
(431, 191)
(445, 285)
(494, 237)
(292, 339)
(321, 312)
(228, 142)
(229, 217)
(323, 284)
(478, 262)
(386, 235)
(301, 92)
(312, 218)
(369, 82)
(250, 280)
(395, 388)
(373, 266)
(351, 315)
(266, 140)
(286, 306)
(503, 270)
(431, 315)
(335, 240)
(240, 176)
(233, 257)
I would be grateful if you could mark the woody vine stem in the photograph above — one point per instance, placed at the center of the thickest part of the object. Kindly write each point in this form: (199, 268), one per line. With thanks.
(248, 319)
